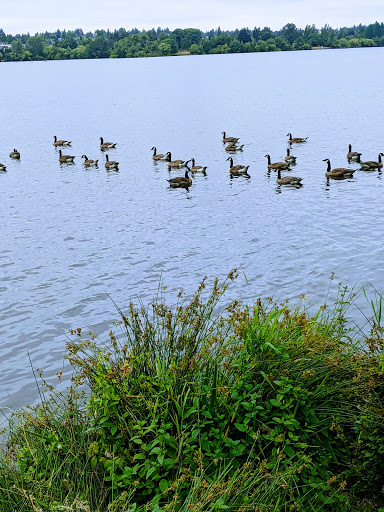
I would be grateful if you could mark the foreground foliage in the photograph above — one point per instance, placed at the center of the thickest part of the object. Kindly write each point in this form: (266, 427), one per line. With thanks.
(257, 408)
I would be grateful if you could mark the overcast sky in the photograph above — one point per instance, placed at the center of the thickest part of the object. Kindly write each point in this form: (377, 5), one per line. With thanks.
(17, 16)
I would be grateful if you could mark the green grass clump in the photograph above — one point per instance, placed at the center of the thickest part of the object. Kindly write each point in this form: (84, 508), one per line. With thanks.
(261, 408)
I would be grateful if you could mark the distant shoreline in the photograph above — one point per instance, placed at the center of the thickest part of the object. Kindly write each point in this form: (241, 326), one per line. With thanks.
(184, 53)
(101, 44)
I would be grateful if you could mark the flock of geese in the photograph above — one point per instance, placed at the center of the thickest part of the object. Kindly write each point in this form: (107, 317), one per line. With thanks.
(69, 159)
(234, 170)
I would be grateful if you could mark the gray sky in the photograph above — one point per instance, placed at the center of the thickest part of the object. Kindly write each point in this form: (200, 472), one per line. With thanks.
(18, 16)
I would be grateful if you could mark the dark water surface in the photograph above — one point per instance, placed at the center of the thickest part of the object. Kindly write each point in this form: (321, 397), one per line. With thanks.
(70, 235)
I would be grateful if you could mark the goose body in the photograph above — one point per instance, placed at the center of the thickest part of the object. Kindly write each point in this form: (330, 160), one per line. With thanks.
(339, 172)
(3, 167)
(229, 139)
(110, 164)
(181, 181)
(197, 168)
(290, 159)
(232, 147)
(287, 180)
(61, 142)
(276, 165)
(372, 164)
(353, 155)
(65, 159)
(237, 169)
(156, 156)
(106, 145)
(296, 140)
(176, 164)
(89, 163)
(15, 154)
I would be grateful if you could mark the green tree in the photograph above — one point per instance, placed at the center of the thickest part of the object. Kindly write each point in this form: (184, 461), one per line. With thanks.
(244, 36)
(17, 50)
(98, 49)
(36, 47)
(290, 32)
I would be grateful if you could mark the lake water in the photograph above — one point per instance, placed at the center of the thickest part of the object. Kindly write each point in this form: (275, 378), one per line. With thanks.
(70, 236)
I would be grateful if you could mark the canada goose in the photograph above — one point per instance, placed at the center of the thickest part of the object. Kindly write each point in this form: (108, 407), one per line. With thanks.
(61, 142)
(229, 139)
(290, 159)
(371, 164)
(339, 172)
(353, 155)
(65, 159)
(177, 164)
(296, 140)
(89, 163)
(106, 145)
(197, 168)
(232, 147)
(155, 156)
(276, 165)
(2, 167)
(15, 154)
(287, 180)
(237, 169)
(110, 164)
(181, 181)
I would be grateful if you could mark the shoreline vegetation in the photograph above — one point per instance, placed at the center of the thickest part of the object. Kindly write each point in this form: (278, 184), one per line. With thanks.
(208, 406)
(122, 43)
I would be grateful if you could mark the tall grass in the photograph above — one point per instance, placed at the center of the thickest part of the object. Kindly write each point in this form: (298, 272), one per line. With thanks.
(205, 407)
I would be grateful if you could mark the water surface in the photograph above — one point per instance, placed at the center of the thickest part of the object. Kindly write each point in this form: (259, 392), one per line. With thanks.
(71, 236)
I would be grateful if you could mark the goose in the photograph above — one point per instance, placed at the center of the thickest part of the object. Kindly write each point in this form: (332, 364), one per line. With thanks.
(276, 165)
(290, 159)
(237, 169)
(229, 139)
(155, 156)
(106, 145)
(177, 164)
(15, 154)
(110, 164)
(371, 164)
(287, 180)
(232, 147)
(296, 140)
(65, 159)
(197, 168)
(89, 163)
(181, 181)
(353, 155)
(2, 167)
(61, 142)
(339, 172)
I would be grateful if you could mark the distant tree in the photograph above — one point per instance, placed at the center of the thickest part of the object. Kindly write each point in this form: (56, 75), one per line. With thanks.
(256, 34)
(35, 46)
(244, 36)
(265, 34)
(98, 49)
(289, 32)
(165, 48)
(195, 49)
(17, 50)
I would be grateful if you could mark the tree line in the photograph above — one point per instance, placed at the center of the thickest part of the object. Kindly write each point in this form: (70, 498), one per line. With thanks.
(122, 43)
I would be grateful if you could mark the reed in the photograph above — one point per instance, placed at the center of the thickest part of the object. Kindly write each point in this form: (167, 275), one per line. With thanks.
(208, 406)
